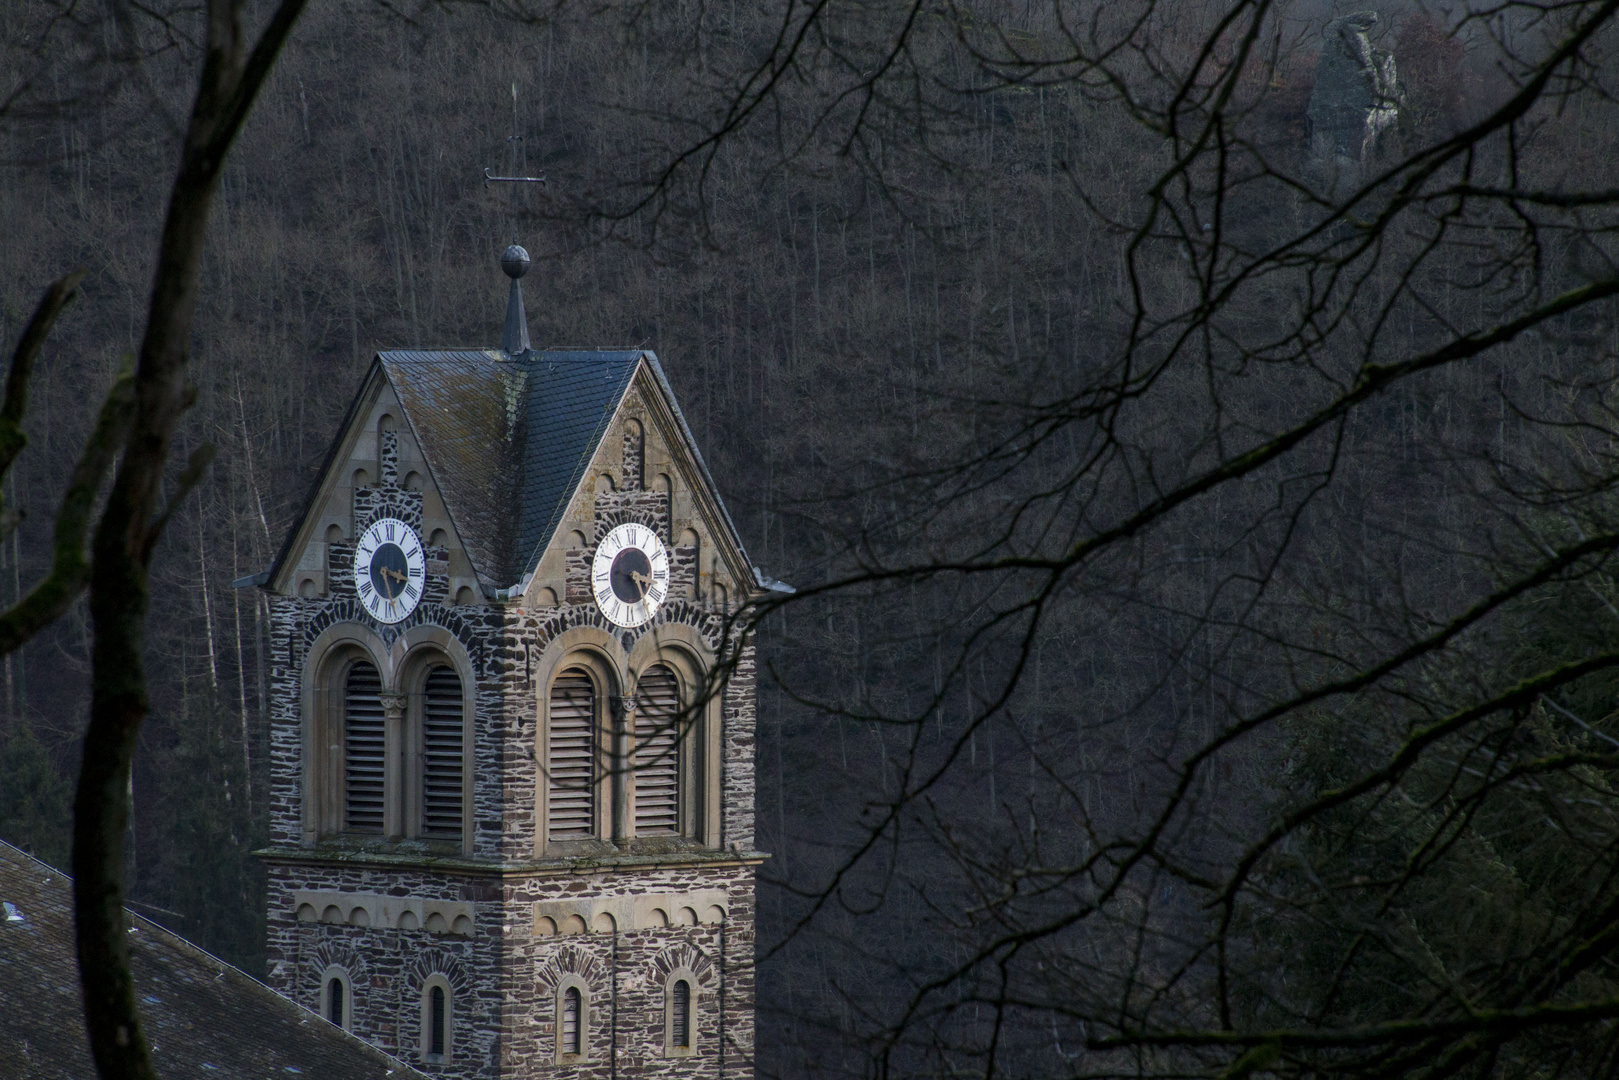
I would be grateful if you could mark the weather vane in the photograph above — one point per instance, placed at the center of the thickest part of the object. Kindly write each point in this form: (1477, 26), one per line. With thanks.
(517, 144)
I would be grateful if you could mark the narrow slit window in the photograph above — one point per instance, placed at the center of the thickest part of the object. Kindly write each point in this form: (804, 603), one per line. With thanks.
(572, 1008)
(657, 753)
(334, 1001)
(571, 758)
(363, 749)
(436, 1035)
(442, 778)
(680, 1014)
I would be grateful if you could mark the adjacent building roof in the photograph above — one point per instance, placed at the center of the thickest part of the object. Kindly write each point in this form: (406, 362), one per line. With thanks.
(204, 1018)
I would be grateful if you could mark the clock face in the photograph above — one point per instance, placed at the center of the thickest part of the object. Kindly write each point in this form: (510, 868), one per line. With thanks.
(630, 575)
(390, 569)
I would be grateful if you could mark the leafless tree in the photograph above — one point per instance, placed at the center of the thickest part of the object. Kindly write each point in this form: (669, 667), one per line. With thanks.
(1199, 661)
(139, 420)
(1263, 580)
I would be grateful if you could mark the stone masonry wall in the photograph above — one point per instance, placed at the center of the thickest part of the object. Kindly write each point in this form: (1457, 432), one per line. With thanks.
(387, 968)
(504, 979)
(626, 973)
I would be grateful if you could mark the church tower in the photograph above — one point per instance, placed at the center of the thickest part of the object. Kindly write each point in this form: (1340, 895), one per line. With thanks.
(512, 731)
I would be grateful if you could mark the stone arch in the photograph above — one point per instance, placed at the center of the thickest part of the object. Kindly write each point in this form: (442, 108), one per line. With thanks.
(601, 656)
(420, 650)
(565, 967)
(664, 485)
(688, 556)
(439, 1006)
(437, 961)
(571, 1020)
(634, 453)
(684, 956)
(326, 959)
(569, 960)
(684, 651)
(325, 668)
(680, 1017)
(438, 967)
(335, 995)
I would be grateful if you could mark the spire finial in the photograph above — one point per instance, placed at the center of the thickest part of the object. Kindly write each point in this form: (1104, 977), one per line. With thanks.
(514, 339)
(514, 260)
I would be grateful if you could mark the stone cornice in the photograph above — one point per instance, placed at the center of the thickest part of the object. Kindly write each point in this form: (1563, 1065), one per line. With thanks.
(511, 868)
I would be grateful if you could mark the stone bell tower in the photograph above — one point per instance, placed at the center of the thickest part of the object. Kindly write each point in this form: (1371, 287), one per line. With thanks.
(513, 724)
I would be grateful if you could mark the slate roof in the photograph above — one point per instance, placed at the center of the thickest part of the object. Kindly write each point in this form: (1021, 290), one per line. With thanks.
(204, 1018)
(507, 440)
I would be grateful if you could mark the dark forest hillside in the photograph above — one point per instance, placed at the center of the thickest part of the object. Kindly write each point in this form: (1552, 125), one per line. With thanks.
(929, 308)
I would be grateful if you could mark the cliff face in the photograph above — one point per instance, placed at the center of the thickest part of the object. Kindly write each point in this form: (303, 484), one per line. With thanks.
(1357, 92)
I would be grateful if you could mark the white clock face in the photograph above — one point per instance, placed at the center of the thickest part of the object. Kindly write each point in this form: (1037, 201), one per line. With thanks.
(630, 575)
(390, 569)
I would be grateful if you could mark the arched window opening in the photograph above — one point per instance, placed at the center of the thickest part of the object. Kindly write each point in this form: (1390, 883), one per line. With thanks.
(437, 1021)
(657, 753)
(334, 1000)
(572, 1009)
(363, 749)
(571, 757)
(442, 788)
(680, 1019)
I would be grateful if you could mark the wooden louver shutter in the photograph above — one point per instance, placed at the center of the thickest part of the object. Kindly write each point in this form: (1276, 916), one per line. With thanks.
(442, 790)
(435, 1039)
(571, 806)
(657, 753)
(363, 748)
(680, 1010)
(572, 1006)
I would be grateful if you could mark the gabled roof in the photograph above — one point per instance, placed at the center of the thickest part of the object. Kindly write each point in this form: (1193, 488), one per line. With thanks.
(507, 441)
(202, 1016)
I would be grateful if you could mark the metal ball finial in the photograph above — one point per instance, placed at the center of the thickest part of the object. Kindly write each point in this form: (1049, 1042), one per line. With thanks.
(515, 261)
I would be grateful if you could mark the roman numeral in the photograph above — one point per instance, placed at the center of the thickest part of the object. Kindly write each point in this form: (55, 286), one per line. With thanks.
(415, 571)
(365, 589)
(656, 594)
(389, 529)
(410, 591)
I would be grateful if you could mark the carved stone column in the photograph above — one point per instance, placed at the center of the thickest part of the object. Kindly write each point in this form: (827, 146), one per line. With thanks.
(623, 796)
(393, 768)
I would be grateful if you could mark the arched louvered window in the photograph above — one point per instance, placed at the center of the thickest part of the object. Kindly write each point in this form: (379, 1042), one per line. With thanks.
(657, 753)
(334, 1000)
(680, 1014)
(442, 790)
(437, 1022)
(363, 749)
(573, 1006)
(571, 757)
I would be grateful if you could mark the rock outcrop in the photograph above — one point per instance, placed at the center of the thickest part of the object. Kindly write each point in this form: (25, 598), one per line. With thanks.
(1357, 94)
